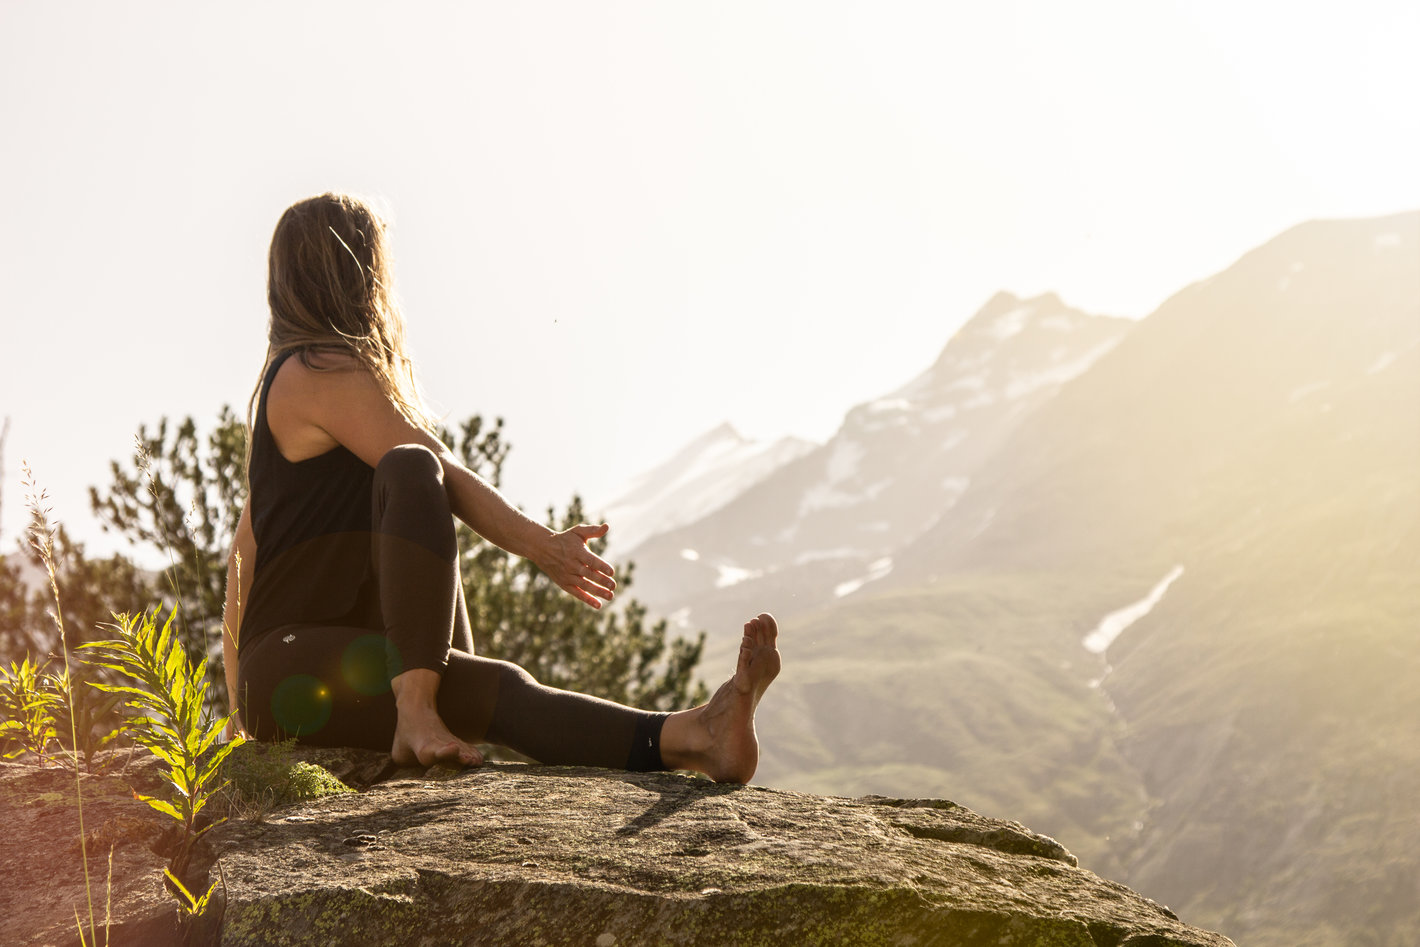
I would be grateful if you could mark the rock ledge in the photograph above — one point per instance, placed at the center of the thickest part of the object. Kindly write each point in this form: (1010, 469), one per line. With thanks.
(512, 853)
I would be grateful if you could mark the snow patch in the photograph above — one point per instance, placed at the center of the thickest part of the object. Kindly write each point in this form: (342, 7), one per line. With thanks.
(844, 460)
(876, 570)
(1012, 323)
(822, 496)
(986, 521)
(734, 575)
(1113, 624)
(941, 413)
(1058, 323)
(1386, 240)
(956, 485)
(842, 465)
(952, 440)
(1022, 385)
(827, 555)
(889, 404)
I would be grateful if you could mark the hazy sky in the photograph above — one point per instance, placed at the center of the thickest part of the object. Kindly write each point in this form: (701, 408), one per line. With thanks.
(619, 224)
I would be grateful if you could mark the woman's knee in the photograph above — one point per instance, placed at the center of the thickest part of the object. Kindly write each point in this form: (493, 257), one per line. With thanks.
(515, 686)
(511, 677)
(410, 464)
(409, 500)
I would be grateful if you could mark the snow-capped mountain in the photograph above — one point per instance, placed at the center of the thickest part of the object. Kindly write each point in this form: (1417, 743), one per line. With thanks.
(696, 481)
(1172, 617)
(827, 522)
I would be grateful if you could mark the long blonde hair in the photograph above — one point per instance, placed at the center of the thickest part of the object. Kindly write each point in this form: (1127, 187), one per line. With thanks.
(329, 287)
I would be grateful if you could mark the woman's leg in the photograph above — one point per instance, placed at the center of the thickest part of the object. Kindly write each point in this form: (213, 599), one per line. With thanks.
(498, 702)
(409, 691)
(328, 686)
(446, 698)
(483, 700)
(415, 559)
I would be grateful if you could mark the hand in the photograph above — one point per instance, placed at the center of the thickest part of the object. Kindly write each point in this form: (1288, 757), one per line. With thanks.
(576, 569)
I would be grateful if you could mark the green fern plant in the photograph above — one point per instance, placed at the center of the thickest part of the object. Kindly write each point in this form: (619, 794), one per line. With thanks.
(90, 715)
(167, 701)
(27, 705)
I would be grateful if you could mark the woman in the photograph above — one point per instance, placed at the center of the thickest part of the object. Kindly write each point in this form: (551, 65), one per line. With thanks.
(345, 610)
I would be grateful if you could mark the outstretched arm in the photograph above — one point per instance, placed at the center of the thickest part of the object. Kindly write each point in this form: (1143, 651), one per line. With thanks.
(346, 407)
(563, 556)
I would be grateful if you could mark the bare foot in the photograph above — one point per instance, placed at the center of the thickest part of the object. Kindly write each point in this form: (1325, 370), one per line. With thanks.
(421, 738)
(718, 738)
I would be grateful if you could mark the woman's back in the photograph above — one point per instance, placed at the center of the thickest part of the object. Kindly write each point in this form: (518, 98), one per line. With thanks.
(311, 520)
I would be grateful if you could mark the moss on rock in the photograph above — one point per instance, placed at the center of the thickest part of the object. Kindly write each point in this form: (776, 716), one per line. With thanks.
(269, 775)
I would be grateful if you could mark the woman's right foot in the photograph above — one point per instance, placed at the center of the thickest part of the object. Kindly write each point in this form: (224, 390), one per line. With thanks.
(718, 738)
(420, 735)
(422, 739)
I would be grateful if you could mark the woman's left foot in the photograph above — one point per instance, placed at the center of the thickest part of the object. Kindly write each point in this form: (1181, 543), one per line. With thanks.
(718, 738)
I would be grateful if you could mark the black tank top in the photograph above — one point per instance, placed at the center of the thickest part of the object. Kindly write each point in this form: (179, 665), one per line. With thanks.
(311, 520)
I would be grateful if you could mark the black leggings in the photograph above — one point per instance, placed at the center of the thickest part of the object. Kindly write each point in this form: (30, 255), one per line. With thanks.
(328, 684)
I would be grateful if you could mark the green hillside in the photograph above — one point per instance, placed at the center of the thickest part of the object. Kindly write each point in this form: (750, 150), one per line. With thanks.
(1251, 756)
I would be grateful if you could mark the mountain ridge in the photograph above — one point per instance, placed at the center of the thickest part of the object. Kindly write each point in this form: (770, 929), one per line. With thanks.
(1259, 432)
(820, 526)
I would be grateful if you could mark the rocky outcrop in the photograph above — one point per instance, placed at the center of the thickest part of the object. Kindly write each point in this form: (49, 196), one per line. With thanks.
(518, 854)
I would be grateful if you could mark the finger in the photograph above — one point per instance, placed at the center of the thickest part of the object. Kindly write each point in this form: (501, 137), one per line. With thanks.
(591, 585)
(598, 564)
(583, 595)
(592, 573)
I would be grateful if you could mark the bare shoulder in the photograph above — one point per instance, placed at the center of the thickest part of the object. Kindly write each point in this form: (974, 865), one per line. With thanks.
(303, 395)
(319, 374)
(335, 401)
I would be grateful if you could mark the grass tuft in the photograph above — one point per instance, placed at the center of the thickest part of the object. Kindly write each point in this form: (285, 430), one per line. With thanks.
(42, 540)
